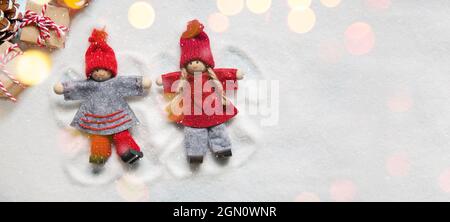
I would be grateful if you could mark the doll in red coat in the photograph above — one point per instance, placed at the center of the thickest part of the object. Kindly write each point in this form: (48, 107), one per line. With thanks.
(200, 103)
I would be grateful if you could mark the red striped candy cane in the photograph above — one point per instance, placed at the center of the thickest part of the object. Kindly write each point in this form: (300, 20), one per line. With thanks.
(5, 58)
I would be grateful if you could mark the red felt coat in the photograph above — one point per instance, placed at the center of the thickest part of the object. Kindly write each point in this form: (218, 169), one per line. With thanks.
(201, 115)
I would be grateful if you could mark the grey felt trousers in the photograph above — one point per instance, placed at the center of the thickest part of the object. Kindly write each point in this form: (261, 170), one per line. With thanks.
(197, 140)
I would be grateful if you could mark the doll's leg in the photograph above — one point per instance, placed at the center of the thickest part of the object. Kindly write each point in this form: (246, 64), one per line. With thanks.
(126, 147)
(100, 149)
(196, 143)
(219, 141)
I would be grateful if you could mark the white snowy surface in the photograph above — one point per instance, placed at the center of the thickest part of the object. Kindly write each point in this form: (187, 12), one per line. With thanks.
(360, 128)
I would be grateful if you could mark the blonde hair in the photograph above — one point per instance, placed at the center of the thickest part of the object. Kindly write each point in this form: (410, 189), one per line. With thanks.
(175, 102)
(218, 85)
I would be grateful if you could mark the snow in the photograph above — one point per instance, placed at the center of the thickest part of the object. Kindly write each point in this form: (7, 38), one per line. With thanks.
(346, 122)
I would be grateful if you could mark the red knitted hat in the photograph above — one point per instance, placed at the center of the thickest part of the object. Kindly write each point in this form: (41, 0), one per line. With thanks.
(195, 45)
(99, 55)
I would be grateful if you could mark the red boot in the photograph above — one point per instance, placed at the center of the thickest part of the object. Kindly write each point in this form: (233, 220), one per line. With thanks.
(126, 147)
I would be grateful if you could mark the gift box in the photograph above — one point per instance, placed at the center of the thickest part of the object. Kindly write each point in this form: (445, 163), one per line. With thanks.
(57, 25)
(10, 87)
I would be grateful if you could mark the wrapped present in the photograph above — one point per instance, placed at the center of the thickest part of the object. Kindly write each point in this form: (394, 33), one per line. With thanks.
(45, 25)
(10, 87)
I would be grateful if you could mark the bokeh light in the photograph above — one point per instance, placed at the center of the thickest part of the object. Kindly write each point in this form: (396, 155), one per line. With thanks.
(259, 6)
(299, 4)
(218, 22)
(331, 51)
(400, 102)
(343, 191)
(41, 2)
(33, 67)
(132, 189)
(71, 140)
(378, 4)
(398, 164)
(359, 38)
(330, 3)
(75, 4)
(444, 181)
(307, 197)
(230, 7)
(301, 20)
(141, 15)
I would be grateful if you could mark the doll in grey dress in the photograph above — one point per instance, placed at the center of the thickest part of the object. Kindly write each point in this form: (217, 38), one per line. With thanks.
(104, 114)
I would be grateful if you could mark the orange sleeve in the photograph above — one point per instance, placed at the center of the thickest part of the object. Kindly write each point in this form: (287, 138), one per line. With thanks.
(228, 78)
(168, 80)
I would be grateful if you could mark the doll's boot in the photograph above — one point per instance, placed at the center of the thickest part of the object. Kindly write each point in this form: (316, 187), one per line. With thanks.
(223, 153)
(195, 159)
(126, 147)
(131, 156)
(100, 149)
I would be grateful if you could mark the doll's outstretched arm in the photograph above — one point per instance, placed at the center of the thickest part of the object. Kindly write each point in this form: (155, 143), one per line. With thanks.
(240, 74)
(228, 74)
(58, 88)
(132, 85)
(228, 77)
(72, 90)
(167, 81)
(146, 83)
(159, 81)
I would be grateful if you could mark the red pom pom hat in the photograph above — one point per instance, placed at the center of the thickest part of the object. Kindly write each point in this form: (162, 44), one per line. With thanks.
(100, 55)
(195, 45)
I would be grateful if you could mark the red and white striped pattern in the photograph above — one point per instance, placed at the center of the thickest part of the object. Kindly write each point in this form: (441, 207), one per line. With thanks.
(5, 58)
(44, 24)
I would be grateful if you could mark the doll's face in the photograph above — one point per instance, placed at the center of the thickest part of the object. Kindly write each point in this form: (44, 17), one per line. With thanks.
(101, 75)
(196, 66)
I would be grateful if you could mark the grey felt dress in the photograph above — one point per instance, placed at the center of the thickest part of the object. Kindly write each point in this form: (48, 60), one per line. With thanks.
(104, 110)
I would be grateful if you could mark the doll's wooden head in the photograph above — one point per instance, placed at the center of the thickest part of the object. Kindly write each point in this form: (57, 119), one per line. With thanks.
(101, 75)
(196, 66)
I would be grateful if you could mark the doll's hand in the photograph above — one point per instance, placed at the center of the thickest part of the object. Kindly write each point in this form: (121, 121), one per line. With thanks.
(58, 88)
(239, 75)
(159, 81)
(146, 83)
